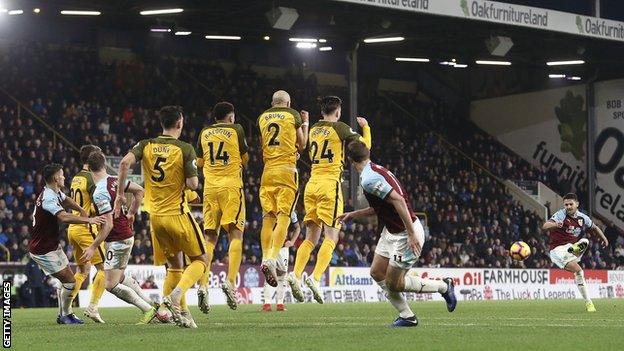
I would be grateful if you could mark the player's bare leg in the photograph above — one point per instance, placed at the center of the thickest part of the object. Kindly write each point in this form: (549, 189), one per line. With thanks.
(579, 278)
(235, 254)
(127, 293)
(99, 285)
(68, 282)
(323, 258)
(203, 301)
(378, 270)
(313, 234)
(397, 280)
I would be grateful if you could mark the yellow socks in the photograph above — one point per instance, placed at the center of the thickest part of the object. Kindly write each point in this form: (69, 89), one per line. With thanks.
(80, 278)
(99, 285)
(268, 223)
(172, 278)
(191, 275)
(279, 234)
(302, 257)
(323, 258)
(203, 281)
(235, 255)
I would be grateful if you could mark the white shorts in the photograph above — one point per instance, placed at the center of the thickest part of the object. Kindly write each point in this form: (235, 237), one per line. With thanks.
(52, 262)
(118, 254)
(395, 247)
(561, 257)
(282, 261)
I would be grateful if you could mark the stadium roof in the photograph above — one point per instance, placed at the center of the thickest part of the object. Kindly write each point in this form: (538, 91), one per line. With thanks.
(435, 37)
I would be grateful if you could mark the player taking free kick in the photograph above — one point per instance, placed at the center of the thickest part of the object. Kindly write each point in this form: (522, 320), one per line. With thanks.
(566, 227)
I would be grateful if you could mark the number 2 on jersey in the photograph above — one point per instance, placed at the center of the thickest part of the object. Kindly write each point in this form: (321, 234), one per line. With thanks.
(275, 129)
(325, 153)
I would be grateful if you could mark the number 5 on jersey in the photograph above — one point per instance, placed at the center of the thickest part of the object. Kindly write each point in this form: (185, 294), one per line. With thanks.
(158, 168)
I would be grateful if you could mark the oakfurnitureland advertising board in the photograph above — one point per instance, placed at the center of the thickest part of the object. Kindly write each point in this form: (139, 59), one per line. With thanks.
(508, 14)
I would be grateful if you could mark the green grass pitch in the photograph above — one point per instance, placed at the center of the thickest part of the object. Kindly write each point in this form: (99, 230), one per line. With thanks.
(499, 325)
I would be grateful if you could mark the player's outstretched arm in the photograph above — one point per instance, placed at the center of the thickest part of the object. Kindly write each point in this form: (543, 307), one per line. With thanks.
(137, 192)
(348, 216)
(302, 132)
(103, 233)
(124, 167)
(401, 207)
(551, 225)
(69, 218)
(595, 230)
(366, 132)
(68, 202)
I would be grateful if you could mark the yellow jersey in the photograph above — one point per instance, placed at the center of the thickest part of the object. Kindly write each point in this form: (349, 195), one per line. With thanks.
(81, 189)
(278, 131)
(221, 151)
(326, 146)
(166, 163)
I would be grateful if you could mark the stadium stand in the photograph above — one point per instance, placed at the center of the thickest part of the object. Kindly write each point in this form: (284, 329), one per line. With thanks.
(113, 105)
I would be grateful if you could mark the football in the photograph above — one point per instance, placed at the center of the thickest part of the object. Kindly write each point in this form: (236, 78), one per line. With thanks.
(520, 251)
(164, 316)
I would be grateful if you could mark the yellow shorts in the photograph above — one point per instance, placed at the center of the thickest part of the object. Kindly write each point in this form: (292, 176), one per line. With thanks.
(323, 203)
(173, 234)
(160, 259)
(80, 237)
(224, 206)
(279, 191)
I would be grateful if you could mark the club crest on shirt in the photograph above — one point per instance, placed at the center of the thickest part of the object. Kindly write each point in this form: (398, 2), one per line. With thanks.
(377, 188)
(580, 221)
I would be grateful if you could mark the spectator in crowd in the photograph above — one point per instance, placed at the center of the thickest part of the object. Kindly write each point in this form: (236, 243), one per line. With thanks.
(470, 217)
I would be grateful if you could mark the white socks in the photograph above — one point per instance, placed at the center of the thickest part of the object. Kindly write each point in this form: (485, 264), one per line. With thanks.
(65, 298)
(397, 300)
(128, 295)
(267, 292)
(132, 284)
(280, 289)
(579, 278)
(414, 283)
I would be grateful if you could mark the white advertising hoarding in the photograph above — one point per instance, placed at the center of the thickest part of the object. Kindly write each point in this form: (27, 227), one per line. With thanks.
(509, 14)
(353, 284)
